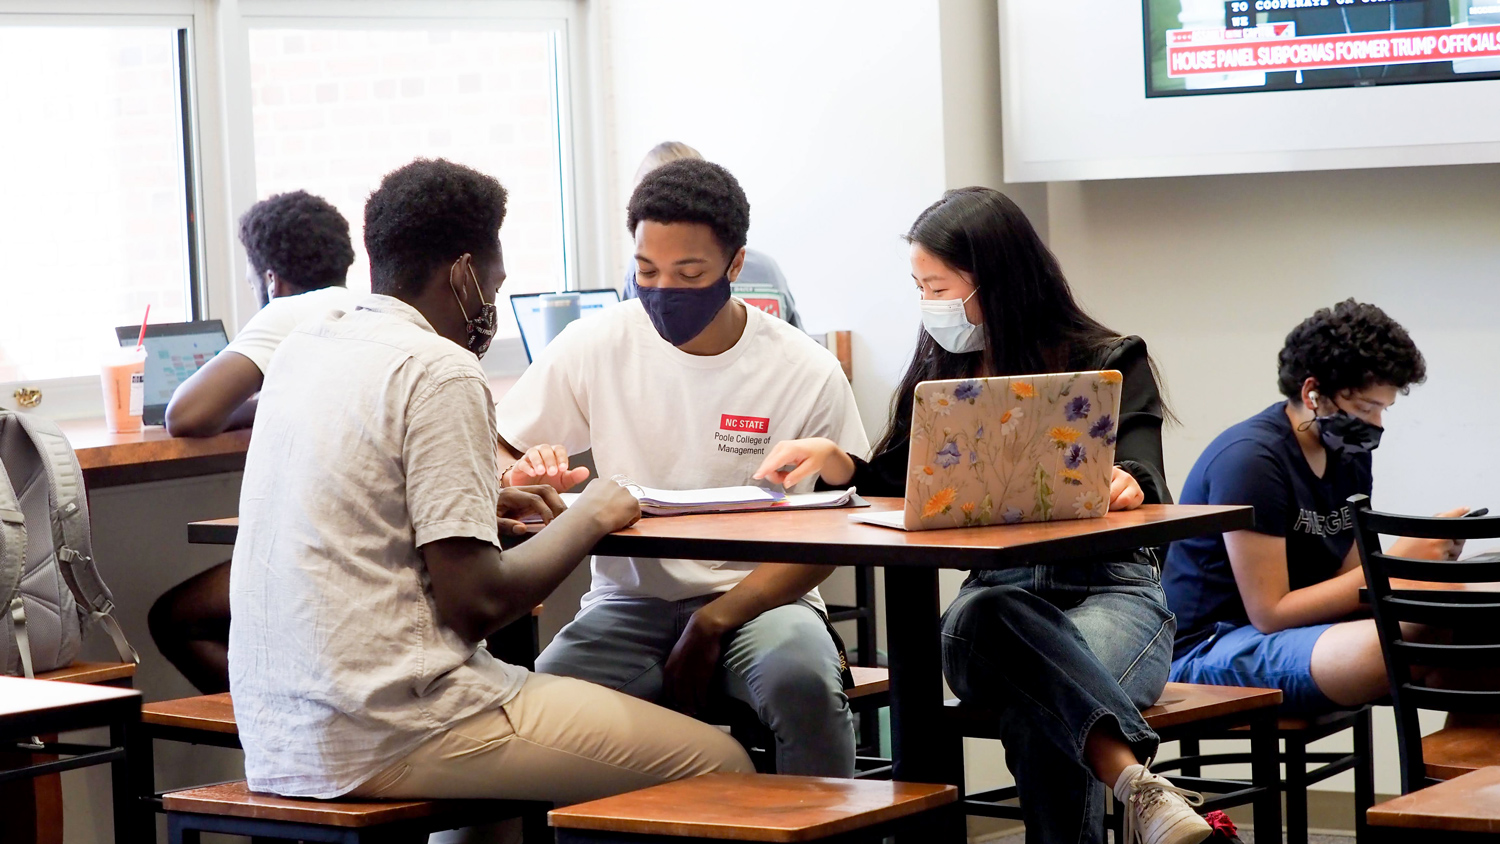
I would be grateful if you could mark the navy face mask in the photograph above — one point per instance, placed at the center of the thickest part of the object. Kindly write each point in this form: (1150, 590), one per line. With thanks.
(1348, 433)
(681, 313)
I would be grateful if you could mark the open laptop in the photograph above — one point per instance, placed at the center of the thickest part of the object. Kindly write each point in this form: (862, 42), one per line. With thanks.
(537, 330)
(1035, 448)
(174, 351)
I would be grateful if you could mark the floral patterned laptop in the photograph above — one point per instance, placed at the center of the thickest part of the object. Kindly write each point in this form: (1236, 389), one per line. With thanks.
(985, 451)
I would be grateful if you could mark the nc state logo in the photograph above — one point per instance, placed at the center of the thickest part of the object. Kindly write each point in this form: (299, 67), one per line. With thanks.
(747, 424)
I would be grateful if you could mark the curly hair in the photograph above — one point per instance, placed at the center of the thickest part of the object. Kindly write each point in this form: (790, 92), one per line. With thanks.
(1350, 346)
(424, 216)
(301, 238)
(693, 191)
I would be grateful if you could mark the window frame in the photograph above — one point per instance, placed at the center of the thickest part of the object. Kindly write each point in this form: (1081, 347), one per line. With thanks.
(80, 395)
(567, 20)
(219, 135)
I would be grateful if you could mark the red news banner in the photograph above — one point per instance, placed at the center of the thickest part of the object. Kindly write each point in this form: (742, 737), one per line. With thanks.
(1275, 46)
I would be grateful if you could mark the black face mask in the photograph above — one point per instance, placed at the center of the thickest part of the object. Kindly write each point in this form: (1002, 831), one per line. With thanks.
(1347, 433)
(481, 326)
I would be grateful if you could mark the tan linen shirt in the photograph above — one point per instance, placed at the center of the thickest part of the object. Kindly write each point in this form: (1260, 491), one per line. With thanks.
(374, 436)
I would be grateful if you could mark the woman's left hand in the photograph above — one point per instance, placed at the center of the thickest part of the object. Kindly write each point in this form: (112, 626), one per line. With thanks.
(1124, 491)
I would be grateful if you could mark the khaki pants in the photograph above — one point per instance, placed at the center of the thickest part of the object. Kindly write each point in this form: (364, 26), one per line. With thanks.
(559, 740)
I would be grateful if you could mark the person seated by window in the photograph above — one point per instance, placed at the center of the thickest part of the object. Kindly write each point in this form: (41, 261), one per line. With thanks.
(368, 569)
(1066, 655)
(298, 253)
(685, 388)
(1277, 606)
(760, 281)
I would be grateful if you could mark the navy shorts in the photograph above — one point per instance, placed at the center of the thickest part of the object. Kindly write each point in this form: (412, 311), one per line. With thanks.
(1244, 656)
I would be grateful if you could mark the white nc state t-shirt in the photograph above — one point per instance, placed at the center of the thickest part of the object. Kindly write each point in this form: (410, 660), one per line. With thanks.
(671, 420)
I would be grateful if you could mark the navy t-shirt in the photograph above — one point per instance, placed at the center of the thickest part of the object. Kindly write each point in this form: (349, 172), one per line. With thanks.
(1258, 462)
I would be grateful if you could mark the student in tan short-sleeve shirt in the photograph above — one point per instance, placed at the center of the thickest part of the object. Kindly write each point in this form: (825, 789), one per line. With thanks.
(368, 569)
(686, 387)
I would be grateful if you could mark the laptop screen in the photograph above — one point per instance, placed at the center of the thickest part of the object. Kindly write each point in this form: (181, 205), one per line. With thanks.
(528, 309)
(174, 351)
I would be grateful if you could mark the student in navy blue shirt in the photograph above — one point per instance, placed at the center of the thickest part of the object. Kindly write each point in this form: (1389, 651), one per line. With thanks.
(1271, 607)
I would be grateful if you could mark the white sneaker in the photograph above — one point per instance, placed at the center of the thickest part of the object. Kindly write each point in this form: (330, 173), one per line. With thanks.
(1158, 812)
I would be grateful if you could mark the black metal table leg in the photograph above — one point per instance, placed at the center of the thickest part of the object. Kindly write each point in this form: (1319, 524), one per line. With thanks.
(914, 647)
(923, 748)
(1265, 771)
(133, 819)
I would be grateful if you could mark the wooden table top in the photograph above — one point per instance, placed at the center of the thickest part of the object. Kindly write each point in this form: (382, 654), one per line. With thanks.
(1470, 803)
(151, 454)
(755, 807)
(828, 537)
(31, 707)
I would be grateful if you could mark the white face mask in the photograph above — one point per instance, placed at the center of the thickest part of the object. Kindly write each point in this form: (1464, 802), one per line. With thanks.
(948, 323)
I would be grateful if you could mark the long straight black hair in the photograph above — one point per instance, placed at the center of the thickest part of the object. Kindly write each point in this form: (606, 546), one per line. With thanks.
(1032, 323)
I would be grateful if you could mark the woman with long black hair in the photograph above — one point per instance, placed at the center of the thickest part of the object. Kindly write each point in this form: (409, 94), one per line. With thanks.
(1066, 654)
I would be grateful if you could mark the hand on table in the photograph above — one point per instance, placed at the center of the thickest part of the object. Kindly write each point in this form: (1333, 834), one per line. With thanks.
(1431, 549)
(807, 457)
(610, 505)
(691, 665)
(1124, 491)
(518, 502)
(544, 464)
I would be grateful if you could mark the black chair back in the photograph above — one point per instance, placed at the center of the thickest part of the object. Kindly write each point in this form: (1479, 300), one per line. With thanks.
(1466, 616)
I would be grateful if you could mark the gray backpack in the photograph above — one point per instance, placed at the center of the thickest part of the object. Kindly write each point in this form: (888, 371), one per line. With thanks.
(49, 587)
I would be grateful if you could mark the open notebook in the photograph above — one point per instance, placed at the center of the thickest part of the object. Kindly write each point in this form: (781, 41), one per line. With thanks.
(729, 499)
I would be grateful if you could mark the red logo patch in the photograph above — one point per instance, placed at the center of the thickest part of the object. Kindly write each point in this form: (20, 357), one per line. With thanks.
(751, 424)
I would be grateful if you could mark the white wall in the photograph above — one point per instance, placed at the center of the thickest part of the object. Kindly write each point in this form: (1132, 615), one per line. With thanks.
(830, 115)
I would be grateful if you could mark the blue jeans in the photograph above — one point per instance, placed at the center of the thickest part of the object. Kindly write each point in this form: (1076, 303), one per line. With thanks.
(1055, 650)
(782, 663)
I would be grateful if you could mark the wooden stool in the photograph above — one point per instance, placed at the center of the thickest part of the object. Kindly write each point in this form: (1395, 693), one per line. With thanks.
(121, 674)
(1184, 710)
(1461, 810)
(234, 809)
(1296, 734)
(871, 693)
(753, 807)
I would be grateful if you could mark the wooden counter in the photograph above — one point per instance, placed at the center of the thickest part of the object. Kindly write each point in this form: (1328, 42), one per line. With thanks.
(152, 454)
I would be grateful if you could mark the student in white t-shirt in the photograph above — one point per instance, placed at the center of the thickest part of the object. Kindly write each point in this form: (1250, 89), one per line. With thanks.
(760, 282)
(298, 253)
(687, 387)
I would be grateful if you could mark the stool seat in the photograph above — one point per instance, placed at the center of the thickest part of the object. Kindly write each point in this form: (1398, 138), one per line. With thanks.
(212, 713)
(236, 800)
(869, 682)
(1455, 751)
(755, 807)
(1186, 703)
(1180, 704)
(92, 672)
(1469, 803)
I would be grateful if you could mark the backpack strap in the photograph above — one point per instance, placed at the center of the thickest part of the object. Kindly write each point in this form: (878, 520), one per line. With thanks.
(70, 528)
(12, 569)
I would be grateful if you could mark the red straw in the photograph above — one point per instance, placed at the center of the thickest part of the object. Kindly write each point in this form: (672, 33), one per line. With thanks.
(141, 340)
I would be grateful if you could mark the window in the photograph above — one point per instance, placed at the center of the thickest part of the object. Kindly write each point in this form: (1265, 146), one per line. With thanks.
(335, 109)
(94, 217)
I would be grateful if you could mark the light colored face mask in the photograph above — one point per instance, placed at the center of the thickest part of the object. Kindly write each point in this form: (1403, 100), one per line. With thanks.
(948, 323)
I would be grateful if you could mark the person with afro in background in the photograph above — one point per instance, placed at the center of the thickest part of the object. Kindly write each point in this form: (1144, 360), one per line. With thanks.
(298, 252)
(1277, 606)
